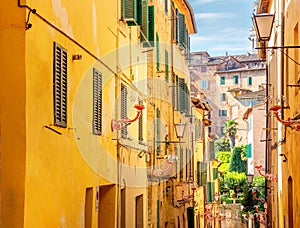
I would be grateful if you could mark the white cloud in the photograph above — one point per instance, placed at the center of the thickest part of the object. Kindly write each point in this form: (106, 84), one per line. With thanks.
(213, 15)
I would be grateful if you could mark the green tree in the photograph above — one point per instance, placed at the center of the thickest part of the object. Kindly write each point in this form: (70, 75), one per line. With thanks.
(235, 181)
(236, 163)
(230, 130)
(222, 144)
(225, 157)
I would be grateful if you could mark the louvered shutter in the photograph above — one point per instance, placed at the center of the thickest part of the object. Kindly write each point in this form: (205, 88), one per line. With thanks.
(124, 108)
(129, 9)
(167, 65)
(151, 24)
(158, 130)
(144, 25)
(97, 102)
(172, 22)
(157, 52)
(181, 164)
(60, 73)
(140, 130)
(209, 192)
(215, 173)
(181, 29)
(177, 26)
(182, 95)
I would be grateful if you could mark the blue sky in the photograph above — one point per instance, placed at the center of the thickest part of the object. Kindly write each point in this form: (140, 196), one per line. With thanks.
(223, 25)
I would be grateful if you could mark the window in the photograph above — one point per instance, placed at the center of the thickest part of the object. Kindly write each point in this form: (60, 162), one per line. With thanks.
(249, 80)
(60, 85)
(158, 130)
(222, 131)
(123, 109)
(203, 69)
(181, 30)
(223, 97)
(222, 113)
(235, 79)
(97, 102)
(203, 84)
(136, 12)
(157, 52)
(151, 24)
(222, 80)
(184, 101)
(166, 6)
(139, 218)
(140, 131)
(181, 165)
(167, 65)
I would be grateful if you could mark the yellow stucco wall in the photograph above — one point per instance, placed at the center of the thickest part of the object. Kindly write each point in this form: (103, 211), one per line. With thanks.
(44, 174)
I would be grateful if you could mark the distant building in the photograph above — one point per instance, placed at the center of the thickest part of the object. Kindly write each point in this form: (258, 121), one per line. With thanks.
(231, 83)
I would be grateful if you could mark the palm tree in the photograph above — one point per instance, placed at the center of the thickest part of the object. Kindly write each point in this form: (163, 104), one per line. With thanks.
(230, 131)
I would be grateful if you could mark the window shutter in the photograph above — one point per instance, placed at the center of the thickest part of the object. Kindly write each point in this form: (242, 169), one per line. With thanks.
(158, 130)
(209, 192)
(167, 65)
(250, 81)
(60, 73)
(182, 30)
(181, 95)
(177, 26)
(123, 108)
(166, 6)
(151, 24)
(215, 173)
(141, 125)
(172, 22)
(181, 164)
(143, 19)
(157, 52)
(97, 102)
(177, 92)
(191, 217)
(129, 9)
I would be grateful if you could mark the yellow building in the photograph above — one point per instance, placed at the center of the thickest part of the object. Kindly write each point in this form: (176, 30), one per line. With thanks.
(283, 136)
(69, 74)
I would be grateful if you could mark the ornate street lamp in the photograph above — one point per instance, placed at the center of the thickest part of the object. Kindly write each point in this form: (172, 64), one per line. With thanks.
(263, 24)
(250, 179)
(179, 129)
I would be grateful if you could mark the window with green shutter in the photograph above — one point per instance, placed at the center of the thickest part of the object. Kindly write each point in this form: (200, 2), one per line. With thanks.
(140, 129)
(173, 22)
(181, 164)
(151, 24)
(215, 173)
(60, 73)
(157, 52)
(235, 79)
(184, 97)
(123, 109)
(167, 65)
(249, 80)
(158, 130)
(142, 18)
(181, 30)
(222, 80)
(97, 102)
(129, 9)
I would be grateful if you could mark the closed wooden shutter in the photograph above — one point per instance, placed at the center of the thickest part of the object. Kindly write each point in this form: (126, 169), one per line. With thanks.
(144, 24)
(157, 52)
(60, 73)
(167, 65)
(182, 95)
(97, 102)
(129, 9)
(158, 131)
(140, 130)
(124, 108)
(151, 24)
